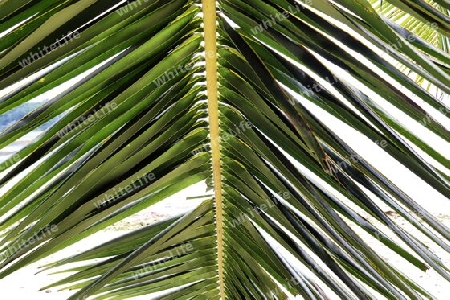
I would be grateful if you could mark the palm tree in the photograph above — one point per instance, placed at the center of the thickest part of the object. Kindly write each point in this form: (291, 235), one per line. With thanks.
(169, 93)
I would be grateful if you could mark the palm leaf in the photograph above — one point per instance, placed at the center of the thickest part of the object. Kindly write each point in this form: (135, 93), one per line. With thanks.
(166, 94)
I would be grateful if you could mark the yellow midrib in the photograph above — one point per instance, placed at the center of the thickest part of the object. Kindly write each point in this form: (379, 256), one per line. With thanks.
(209, 17)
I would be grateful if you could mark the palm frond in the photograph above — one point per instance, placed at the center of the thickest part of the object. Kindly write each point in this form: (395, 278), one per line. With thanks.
(166, 94)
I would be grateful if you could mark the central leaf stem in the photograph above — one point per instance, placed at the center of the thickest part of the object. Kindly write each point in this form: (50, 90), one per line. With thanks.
(209, 15)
